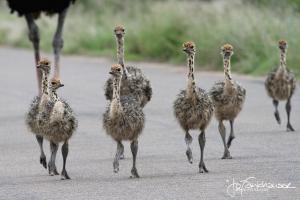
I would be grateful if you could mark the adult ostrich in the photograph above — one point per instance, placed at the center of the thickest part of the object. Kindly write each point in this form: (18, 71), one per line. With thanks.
(31, 10)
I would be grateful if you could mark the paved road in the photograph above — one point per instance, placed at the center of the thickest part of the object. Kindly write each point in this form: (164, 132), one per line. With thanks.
(262, 148)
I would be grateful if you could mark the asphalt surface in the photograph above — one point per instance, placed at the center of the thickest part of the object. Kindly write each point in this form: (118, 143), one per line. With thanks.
(262, 148)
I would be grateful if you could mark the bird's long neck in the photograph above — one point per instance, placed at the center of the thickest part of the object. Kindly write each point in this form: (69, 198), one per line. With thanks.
(53, 95)
(282, 67)
(191, 87)
(227, 72)
(115, 106)
(120, 54)
(45, 89)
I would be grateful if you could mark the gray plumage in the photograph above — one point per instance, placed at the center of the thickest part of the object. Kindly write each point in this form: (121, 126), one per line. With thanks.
(193, 109)
(228, 97)
(123, 119)
(59, 121)
(136, 85)
(280, 85)
(31, 116)
(193, 113)
(134, 82)
(39, 109)
(61, 127)
(128, 125)
(228, 102)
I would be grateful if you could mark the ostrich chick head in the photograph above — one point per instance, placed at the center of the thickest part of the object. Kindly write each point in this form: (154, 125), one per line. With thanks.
(55, 83)
(189, 47)
(44, 64)
(119, 31)
(282, 44)
(116, 70)
(227, 51)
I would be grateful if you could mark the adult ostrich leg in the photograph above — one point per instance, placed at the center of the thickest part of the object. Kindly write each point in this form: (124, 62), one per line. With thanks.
(57, 43)
(34, 37)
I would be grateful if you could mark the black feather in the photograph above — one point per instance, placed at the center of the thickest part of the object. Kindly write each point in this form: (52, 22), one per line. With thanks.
(37, 6)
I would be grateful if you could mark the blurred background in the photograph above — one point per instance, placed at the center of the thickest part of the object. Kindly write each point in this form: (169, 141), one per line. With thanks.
(156, 29)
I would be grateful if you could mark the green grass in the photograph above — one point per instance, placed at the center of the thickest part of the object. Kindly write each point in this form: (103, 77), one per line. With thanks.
(155, 30)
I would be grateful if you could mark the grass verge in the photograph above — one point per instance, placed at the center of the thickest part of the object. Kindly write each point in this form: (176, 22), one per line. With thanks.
(155, 30)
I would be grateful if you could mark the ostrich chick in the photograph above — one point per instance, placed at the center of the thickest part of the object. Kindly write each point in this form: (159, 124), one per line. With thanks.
(59, 128)
(281, 84)
(38, 105)
(123, 119)
(134, 82)
(193, 108)
(228, 97)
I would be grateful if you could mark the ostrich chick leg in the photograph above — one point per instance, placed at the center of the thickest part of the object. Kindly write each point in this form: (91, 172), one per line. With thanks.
(120, 150)
(42, 156)
(202, 140)
(188, 140)
(276, 113)
(222, 131)
(51, 165)
(65, 151)
(134, 150)
(288, 108)
(231, 136)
